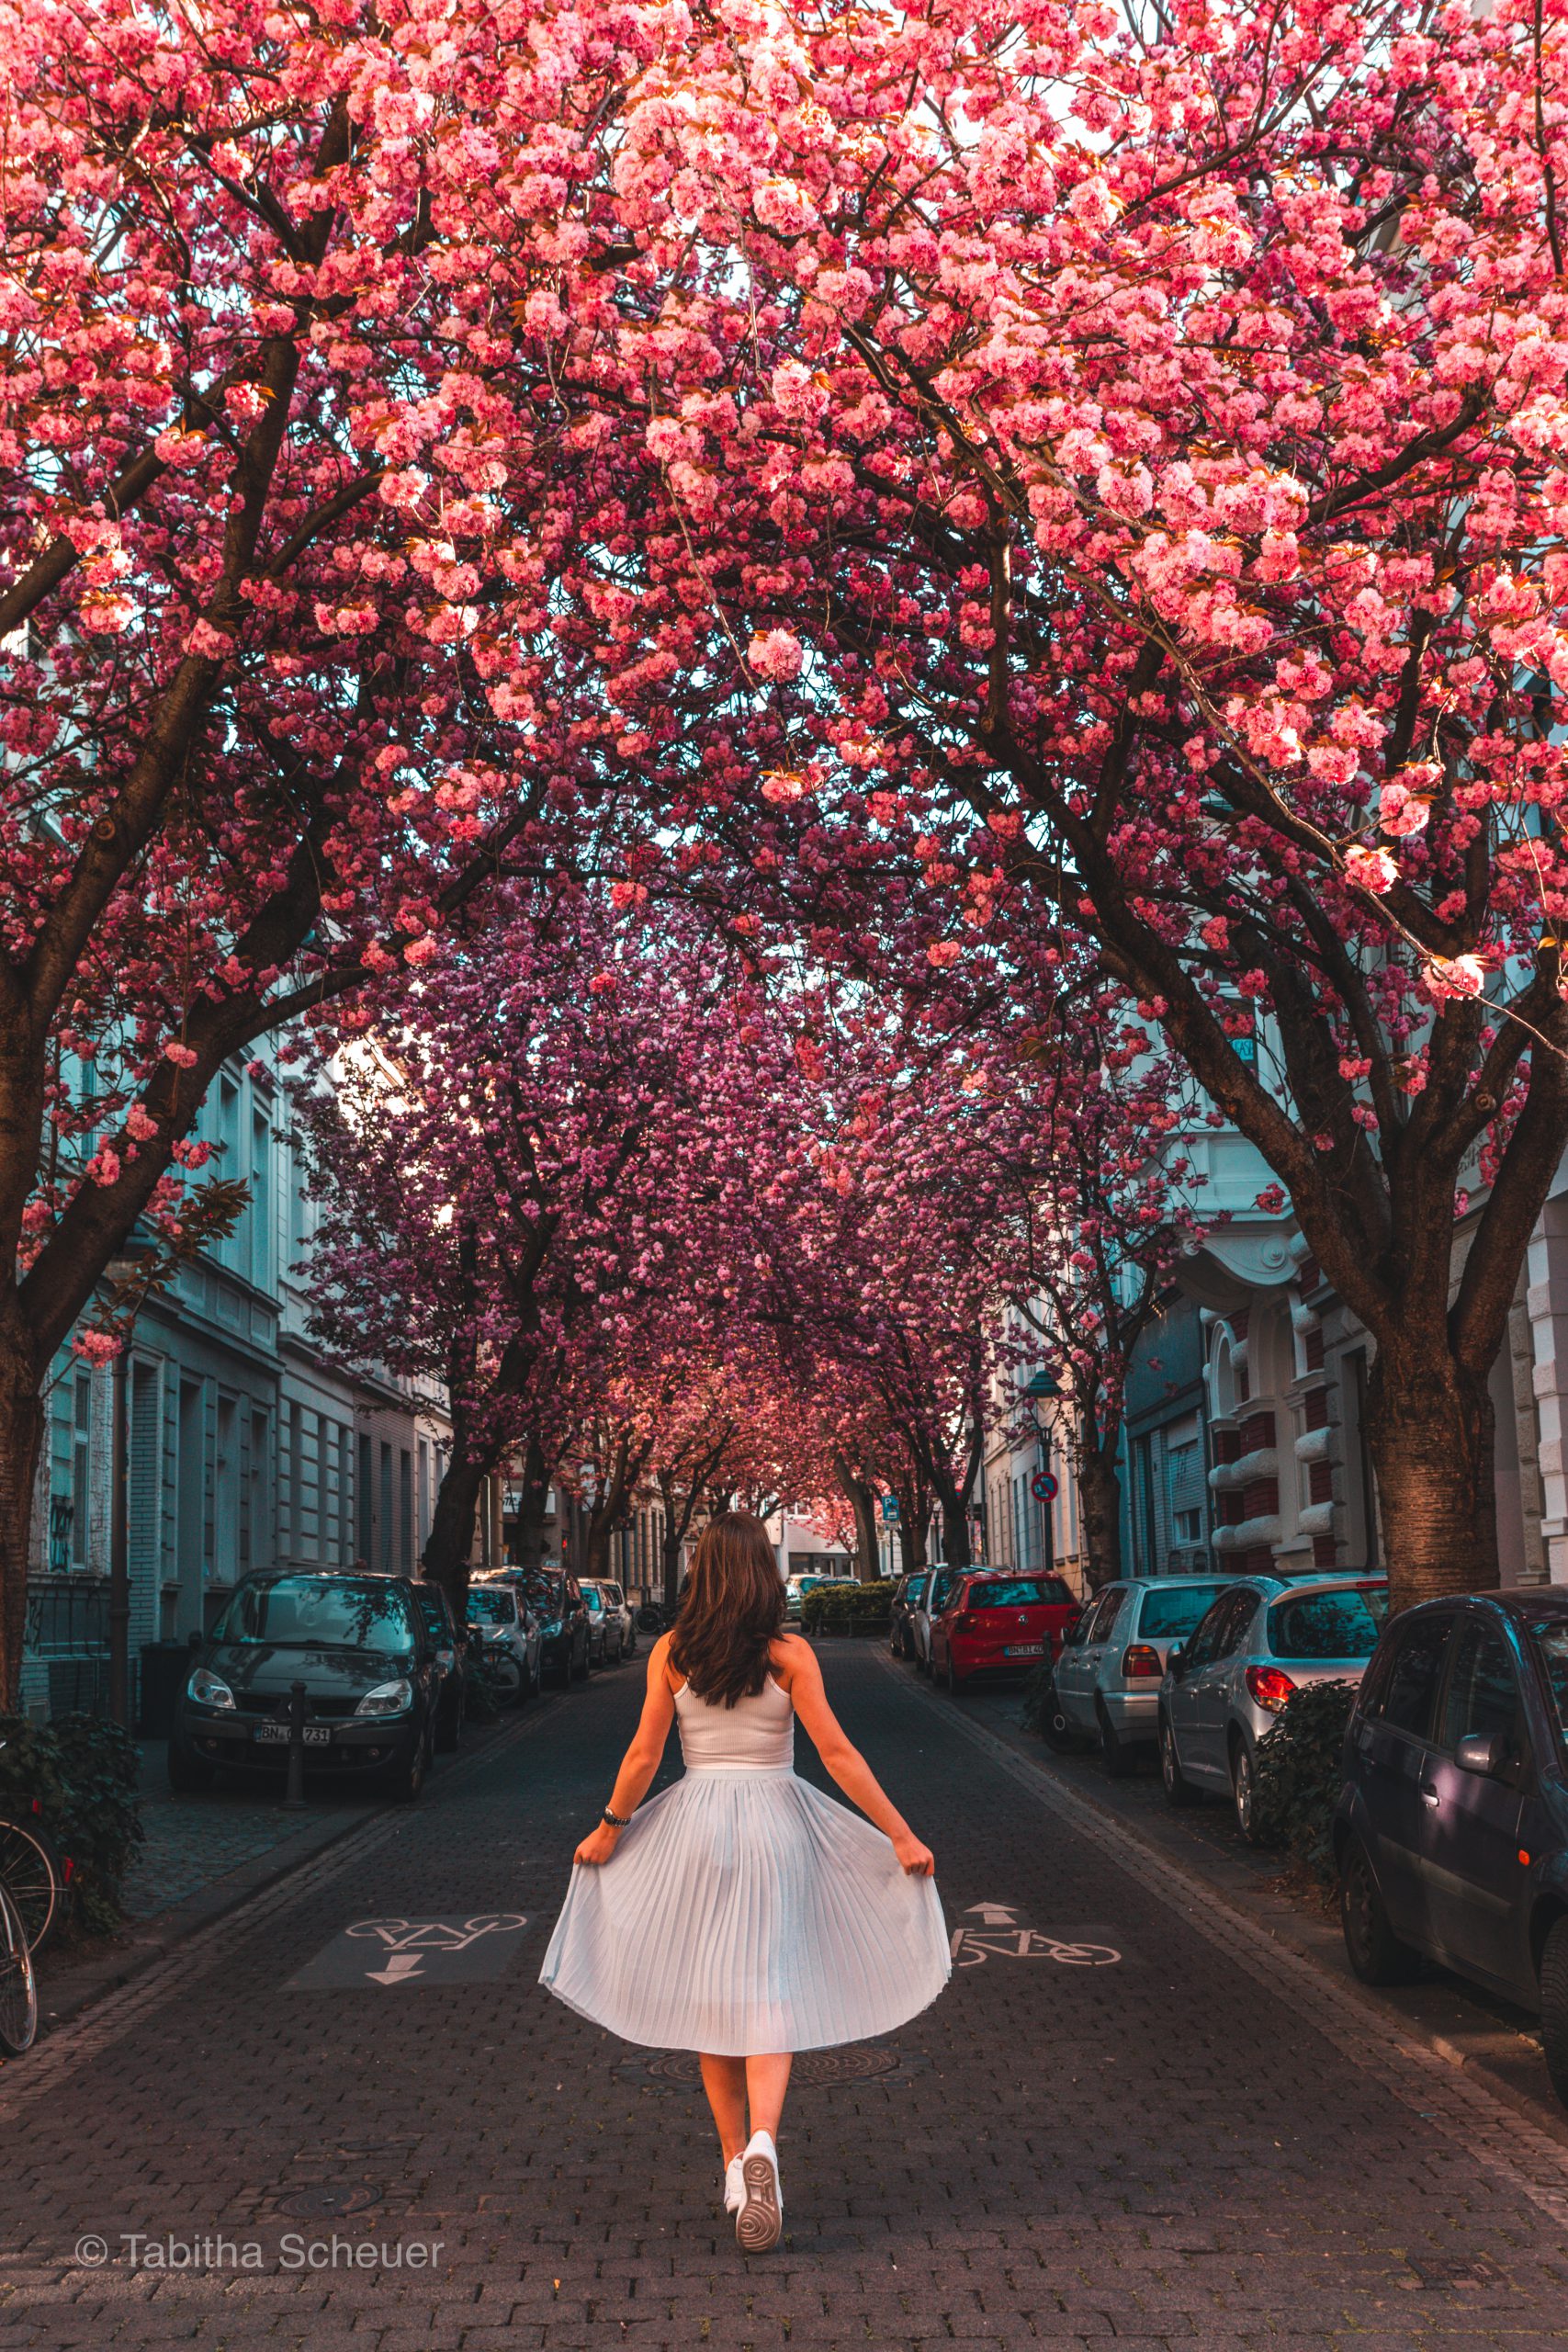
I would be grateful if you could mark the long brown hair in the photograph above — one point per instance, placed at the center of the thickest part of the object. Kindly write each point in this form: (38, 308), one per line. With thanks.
(732, 1607)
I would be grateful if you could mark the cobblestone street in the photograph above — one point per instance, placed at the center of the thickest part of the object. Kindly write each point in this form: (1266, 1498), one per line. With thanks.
(1131, 2120)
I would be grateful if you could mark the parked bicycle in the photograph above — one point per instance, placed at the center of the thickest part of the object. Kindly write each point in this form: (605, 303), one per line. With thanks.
(33, 1881)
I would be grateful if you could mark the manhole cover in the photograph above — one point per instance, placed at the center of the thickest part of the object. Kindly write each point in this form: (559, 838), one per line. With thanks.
(1456, 2270)
(669, 2070)
(328, 2204)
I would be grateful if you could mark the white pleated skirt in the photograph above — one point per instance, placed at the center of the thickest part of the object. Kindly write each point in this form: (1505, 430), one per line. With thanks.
(744, 1913)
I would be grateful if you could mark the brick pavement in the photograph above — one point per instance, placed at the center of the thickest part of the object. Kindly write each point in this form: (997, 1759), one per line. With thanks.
(1205, 2145)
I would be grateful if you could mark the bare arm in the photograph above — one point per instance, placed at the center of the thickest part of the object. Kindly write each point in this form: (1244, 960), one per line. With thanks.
(641, 1759)
(802, 1678)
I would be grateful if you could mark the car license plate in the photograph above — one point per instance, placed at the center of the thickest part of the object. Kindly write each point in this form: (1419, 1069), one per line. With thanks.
(1023, 1649)
(316, 1735)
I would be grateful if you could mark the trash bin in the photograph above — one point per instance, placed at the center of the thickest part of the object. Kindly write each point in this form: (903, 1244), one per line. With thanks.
(164, 1666)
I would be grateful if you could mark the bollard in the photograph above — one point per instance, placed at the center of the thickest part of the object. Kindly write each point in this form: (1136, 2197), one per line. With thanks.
(294, 1791)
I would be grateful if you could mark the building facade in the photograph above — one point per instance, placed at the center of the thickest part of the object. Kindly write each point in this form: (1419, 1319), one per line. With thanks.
(245, 1446)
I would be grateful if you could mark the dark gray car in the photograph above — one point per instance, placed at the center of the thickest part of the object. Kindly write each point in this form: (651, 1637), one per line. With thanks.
(1451, 1832)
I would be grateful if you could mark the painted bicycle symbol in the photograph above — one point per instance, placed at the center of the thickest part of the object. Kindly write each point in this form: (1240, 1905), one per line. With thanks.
(1000, 1936)
(406, 1942)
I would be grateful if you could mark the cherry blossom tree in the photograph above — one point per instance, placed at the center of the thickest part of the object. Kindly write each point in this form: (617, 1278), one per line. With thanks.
(1112, 462)
(287, 478)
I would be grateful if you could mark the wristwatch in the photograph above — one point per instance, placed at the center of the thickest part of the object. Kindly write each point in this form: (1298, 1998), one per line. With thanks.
(615, 1820)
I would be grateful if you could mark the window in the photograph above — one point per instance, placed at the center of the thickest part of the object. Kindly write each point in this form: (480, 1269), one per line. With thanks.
(81, 1468)
(1201, 1648)
(1328, 1624)
(261, 1199)
(405, 1512)
(1018, 1592)
(1411, 1685)
(1189, 1526)
(1550, 1638)
(1482, 1695)
(384, 1499)
(364, 1500)
(1171, 1616)
(1107, 1610)
(1240, 1609)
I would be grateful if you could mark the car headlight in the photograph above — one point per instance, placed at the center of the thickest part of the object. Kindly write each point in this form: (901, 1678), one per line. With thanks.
(208, 1691)
(388, 1698)
(551, 1629)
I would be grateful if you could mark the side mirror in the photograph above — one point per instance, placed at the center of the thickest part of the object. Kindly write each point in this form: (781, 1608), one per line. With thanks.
(1479, 1751)
(1174, 1662)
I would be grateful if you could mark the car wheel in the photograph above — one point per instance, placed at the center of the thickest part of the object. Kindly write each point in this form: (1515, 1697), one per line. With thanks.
(1115, 1754)
(1375, 1953)
(922, 1663)
(1054, 1729)
(1554, 2005)
(188, 1774)
(1243, 1791)
(406, 1778)
(1179, 1789)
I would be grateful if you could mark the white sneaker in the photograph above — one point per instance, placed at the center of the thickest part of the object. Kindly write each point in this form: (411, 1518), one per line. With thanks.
(734, 2187)
(761, 2217)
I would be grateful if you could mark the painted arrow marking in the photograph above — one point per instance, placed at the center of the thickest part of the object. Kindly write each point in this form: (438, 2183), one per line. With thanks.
(995, 1914)
(399, 1964)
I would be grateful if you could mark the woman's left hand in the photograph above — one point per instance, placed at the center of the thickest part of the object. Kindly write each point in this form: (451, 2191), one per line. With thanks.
(599, 1843)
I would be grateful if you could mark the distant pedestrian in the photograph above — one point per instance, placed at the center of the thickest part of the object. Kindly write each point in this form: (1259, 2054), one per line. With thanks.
(744, 1915)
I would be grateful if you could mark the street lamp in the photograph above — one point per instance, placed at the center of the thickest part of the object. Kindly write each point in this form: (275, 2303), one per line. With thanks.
(1039, 1389)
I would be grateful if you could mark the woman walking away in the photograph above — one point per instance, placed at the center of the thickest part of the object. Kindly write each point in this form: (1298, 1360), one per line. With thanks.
(742, 1914)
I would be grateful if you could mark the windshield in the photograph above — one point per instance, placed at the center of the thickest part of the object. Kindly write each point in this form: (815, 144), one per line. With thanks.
(1328, 1624)
(491, 1608)
(1550, 1635)
(1020, 1592)
(319, 1612)
(913, 1590)
(1170, 1616)
(434, 1617)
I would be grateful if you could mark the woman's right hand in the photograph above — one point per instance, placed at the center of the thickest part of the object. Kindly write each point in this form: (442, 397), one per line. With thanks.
(915, 1859)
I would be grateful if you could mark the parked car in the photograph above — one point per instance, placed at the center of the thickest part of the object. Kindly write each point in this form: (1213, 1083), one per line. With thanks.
(511, 1644)
(939, 1584)
(449, 1645)
(1107, 1677)
(556, 1601)
(619, 1609)
(995, 1623)
(603, 1627)
(1451, 1832)
(796, 1588)
(1230, 1681)
(357, 1644)
(905, 1600)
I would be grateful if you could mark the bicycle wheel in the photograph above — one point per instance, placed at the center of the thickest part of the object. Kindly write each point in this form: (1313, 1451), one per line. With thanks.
(34, 1879)
(19, 1985)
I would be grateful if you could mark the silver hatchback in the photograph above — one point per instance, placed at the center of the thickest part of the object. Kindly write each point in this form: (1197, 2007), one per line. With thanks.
(1262, 1640)
(1106, 1679)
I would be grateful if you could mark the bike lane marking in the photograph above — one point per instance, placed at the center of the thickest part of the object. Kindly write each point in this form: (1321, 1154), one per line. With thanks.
(474, 1951)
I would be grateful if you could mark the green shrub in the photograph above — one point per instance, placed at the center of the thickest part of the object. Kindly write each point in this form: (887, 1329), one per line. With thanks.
(1300, 1772)
(83, 1772)
(848, 1607)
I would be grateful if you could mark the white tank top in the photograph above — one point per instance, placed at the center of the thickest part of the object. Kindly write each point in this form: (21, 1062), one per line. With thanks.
(757, 1735)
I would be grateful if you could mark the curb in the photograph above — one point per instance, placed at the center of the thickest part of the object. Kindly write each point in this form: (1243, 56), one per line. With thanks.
(64, 1996)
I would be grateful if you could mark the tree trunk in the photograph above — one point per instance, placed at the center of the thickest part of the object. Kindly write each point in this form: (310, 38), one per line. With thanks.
(1100, 1506)
(862, 1502)
(911, 1532)
(953, 1505)
(1430, 1434)
(451, 1537)
(673, 1535)
(21, 1444)
(534, 1489)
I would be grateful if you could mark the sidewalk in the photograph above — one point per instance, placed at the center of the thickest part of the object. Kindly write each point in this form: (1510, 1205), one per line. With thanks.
(203, 1855)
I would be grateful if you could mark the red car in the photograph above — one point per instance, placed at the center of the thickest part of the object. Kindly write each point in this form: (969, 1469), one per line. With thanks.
(999, 1621)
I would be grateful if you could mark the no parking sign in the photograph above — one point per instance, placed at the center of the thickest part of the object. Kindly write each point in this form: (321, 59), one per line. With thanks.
(1043, 1487)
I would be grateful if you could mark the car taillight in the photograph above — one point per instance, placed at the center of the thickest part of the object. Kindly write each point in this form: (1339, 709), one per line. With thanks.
(1141, 1664)
(1269, 1687)
(965, 1622)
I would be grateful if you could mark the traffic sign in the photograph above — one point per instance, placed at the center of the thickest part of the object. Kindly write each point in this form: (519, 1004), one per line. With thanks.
(890, 1510)
(1043, 1487)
